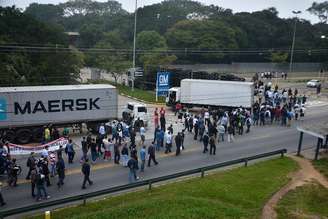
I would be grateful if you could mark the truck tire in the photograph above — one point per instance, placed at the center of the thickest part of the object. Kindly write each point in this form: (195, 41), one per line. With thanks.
(37, 135)
(23, 136)
(9, 136)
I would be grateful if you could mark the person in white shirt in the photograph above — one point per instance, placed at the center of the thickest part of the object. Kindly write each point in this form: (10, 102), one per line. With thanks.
(207, 117)
(142, 134)
(107, 147)
(168, 142)
(45, 152)
(102, 130)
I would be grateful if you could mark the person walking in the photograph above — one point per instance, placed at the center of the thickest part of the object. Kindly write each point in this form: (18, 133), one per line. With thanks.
(70, 151)
(162, 122)
(142, 134)
(60, 165)
(31, 164)
(86, 169)
(125, 155)
(117, 155)
(151, 154)
(43, 163)
(248, 124)
(33, 181)
(221, 131)
(85, 148)
(40, 180)
(230, 133)
(178, 141)
(93, 148)
(212, 146)
(2, 201)
(132, 164)
(168, 145)
(107, 147)
(52, 160)
(142, 158)
(206, 139)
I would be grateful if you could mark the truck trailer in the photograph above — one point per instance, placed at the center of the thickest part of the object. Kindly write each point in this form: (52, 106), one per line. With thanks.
(24, 111)
(211, 93)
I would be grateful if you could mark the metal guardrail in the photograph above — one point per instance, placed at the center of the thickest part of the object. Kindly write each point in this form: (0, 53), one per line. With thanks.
(148, 182)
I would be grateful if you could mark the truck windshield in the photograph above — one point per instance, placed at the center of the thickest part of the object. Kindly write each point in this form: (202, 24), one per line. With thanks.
(130, 107)
(142, 110)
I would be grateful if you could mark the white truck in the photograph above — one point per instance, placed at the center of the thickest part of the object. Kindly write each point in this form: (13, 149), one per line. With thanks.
(24, 111)
(211, 93)
(136, 114)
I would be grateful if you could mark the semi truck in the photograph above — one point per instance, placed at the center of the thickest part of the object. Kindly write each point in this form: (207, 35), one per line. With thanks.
(24, 111)
(211, 93)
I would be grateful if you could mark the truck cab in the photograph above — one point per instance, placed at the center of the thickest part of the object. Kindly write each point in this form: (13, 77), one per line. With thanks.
(135, 112)
(173, 96)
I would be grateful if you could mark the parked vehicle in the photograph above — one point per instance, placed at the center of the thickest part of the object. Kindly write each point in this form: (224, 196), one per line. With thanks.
(213, 93)
(26, 110)
(135, 113)
(313, 83)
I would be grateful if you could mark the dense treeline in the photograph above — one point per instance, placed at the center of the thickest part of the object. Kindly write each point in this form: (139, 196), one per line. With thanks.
(180, 31)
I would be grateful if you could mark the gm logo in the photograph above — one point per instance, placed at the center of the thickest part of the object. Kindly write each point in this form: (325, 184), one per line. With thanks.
(3, 109)
(164, 80)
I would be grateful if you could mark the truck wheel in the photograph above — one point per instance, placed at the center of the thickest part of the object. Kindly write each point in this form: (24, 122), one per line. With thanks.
(9, 136)
(23, 136)
(38, 135)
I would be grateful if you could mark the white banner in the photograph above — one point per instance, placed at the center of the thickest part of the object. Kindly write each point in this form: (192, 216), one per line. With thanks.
(23, 150)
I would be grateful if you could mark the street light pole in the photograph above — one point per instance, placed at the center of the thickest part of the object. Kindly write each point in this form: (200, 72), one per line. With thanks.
(293, 43)
(134, 44)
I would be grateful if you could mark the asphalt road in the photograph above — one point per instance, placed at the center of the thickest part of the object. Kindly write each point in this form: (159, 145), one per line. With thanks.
(106, 174)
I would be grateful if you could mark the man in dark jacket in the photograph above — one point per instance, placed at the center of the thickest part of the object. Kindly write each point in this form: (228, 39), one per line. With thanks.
(31, 164)
(86, 172)
(206, 139)
(178, 142)
(60, 165)
(151, 153)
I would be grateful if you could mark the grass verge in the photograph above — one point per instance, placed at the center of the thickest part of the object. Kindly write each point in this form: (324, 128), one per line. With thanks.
(145, 95)
(237, 193)
(308, 201)
(322, 166)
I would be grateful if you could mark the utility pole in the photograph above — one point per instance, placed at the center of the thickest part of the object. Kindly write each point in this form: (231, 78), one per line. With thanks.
(293, 43)
(134, 44)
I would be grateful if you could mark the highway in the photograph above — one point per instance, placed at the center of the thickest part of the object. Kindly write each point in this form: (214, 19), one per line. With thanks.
(106, 174)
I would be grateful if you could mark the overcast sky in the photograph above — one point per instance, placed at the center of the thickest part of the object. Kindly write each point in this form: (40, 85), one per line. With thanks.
(285, 7)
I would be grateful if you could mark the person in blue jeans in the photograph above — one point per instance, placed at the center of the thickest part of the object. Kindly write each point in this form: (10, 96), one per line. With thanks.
(70, 151)
(40, 180)
(132, 164)
(143, 158)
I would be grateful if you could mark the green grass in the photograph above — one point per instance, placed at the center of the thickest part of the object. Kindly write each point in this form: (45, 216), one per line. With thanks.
(237, 193)
(304, 202)
(145, 95)
(322, 166)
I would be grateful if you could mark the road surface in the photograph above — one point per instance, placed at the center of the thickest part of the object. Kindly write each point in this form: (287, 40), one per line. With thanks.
(106, 174)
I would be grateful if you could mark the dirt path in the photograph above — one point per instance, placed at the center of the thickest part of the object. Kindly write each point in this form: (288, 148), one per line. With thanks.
(305, 174)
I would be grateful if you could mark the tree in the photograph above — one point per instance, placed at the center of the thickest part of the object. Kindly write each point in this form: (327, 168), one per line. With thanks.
(203, 36)
(320, 10)
(45, 12)
(113, 60)
(149, 40)
(279, 57)
(25, 66)
(153, 54)
(87, 7)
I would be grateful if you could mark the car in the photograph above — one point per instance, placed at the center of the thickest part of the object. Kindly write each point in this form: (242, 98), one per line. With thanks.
(313, 83)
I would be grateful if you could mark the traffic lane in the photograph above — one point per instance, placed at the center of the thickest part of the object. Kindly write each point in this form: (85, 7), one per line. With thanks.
(257, 132)
(118, 175)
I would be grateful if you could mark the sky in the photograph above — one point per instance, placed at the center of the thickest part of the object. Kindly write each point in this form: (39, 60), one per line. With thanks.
(284, 7)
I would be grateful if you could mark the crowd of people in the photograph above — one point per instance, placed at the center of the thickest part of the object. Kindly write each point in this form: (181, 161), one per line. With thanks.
(118, 142)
